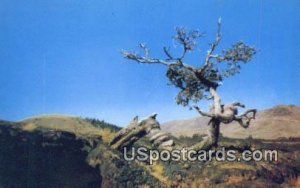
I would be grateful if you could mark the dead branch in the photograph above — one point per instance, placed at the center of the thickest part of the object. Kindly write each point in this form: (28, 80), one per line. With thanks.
(212, 48)
(244, 119)
(141, 59)
(202, 112)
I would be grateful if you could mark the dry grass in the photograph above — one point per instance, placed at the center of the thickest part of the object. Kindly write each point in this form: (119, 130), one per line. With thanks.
(106, 134)
(29, 127)
(156, 170)
(236, 165)
(276, 122)
(75, 125)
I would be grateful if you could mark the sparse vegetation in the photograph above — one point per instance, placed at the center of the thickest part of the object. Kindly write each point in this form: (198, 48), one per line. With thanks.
(102, 124)
(59, 157)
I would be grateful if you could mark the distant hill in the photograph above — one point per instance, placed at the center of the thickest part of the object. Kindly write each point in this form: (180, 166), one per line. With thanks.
(66, 151)
(279, 121)
(72, 124)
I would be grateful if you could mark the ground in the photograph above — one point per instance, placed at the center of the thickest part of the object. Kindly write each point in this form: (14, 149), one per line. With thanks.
(66, 151)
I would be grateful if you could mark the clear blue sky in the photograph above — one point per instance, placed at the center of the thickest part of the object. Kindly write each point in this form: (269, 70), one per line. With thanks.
(63, 56)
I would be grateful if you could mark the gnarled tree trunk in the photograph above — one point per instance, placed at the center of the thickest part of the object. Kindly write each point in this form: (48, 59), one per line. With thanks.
(136, 130)
(150, 127)
(222, 114)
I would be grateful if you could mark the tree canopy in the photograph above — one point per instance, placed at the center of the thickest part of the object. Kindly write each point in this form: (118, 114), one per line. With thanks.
(193, 82)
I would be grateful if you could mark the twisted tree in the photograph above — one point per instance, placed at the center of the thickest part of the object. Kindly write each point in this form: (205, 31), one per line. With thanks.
(197, 83)
(136, 130)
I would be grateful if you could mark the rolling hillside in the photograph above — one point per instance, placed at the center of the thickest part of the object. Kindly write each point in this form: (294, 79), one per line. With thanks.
(66, 151)
(277, 122)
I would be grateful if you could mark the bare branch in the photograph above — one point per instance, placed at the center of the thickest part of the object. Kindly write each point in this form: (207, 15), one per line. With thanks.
(212, 48)
(183, 53)
(168, 54)
(238, 104)
(141, 59)
(148, 60)
(146, 50)
(246, 113)
(243, 124)
(244, 120)
(202, 112)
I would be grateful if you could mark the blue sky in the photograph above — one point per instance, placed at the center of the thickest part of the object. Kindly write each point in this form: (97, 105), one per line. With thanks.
(63, 56)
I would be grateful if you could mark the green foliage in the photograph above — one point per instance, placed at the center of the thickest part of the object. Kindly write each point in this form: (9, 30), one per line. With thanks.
(189, 141)
(239, 53)
(194, 83)
(102, 124)
(190, 86)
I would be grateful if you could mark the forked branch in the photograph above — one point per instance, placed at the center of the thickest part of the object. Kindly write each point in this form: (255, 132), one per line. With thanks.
(244, 119)
(207, 114)
(212, 48)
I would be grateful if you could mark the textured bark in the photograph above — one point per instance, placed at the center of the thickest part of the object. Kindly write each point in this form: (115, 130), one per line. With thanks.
(196, 83)
(222, 114)
(211, 140)
(150, 128)
(136, 130)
